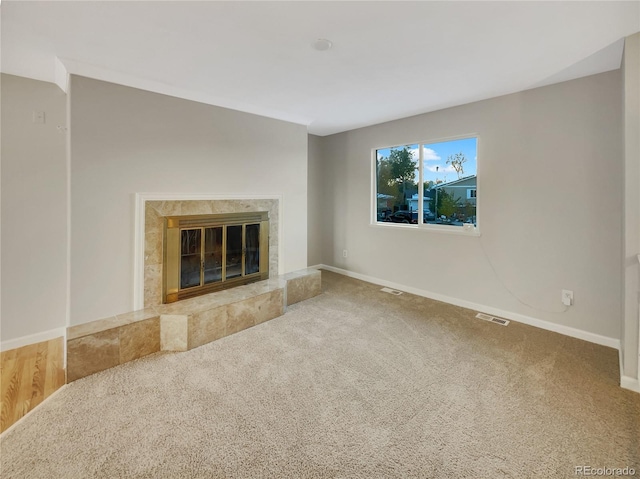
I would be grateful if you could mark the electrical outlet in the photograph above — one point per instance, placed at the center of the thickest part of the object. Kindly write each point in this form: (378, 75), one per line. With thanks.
(344, 253)
(567, 297)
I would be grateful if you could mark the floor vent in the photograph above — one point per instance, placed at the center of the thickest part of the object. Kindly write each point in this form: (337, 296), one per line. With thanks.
(491, 319)
(392, 291)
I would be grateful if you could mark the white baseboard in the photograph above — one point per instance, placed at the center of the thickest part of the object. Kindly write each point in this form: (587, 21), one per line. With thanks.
(632, 384)
(627, 382)
(32, 339)
(520, 318)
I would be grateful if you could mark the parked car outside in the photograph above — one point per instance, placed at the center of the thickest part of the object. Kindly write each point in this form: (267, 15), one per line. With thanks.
(403, 216)
(383, 214)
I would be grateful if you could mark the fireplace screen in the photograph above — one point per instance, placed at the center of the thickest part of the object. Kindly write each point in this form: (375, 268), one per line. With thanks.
(204, 253)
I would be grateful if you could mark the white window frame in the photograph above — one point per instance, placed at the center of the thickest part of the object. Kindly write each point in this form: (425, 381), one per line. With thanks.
(468, 229)
(472, 193)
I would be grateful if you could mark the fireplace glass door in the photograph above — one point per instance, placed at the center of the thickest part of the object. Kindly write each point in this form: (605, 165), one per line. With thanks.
(252, 244)
(212, 255)
(204, 254)
(234, 251)
(190, 258)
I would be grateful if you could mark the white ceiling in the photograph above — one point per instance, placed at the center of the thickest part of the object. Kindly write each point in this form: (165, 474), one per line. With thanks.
(389, 59)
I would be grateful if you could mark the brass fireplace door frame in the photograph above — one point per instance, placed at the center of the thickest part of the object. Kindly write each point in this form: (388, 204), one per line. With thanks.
(173, 225)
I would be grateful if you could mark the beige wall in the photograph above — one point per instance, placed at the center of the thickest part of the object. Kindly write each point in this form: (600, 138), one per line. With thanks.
(315, 195)
(34, 209)
(631, 238)
(126, 141)
(549, 192)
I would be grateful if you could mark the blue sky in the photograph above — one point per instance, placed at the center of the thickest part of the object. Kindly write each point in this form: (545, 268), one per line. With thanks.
(435, 157)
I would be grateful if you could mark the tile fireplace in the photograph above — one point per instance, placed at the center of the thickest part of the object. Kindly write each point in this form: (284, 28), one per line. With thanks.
(155, 213)
(206, 253)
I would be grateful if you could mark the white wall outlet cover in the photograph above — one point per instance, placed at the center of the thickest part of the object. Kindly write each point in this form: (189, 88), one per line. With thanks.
(567, 297)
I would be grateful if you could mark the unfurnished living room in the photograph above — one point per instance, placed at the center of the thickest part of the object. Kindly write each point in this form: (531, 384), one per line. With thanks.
(320, 239)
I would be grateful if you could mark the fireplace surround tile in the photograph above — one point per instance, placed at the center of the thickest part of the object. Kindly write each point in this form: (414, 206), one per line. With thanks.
(152, 221)
(152, 286)
(166, 207)
(156, 210)
(153, 247)
(195, 208)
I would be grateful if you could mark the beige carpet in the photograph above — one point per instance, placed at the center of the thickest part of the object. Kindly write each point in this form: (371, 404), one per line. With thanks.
(354, 383)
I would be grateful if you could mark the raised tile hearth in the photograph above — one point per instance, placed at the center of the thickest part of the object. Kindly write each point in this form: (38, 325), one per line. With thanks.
(184, 325)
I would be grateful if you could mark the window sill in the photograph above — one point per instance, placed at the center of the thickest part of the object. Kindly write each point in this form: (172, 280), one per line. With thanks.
(446, 229)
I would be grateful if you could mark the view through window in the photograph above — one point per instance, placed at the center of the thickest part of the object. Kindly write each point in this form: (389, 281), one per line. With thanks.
(440, 176)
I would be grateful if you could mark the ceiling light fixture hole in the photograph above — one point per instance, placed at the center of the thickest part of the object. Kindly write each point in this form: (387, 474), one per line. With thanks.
(322, 44)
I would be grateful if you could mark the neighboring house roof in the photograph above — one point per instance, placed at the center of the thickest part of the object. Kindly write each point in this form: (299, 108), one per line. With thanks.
(457, 182)
(382, 196)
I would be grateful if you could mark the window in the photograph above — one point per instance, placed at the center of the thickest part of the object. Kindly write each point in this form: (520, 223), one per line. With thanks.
(439, 179)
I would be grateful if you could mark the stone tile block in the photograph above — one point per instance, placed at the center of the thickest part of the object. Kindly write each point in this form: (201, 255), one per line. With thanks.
(166, 207)
(195, 207)
(86, 329)
(271, 307)
(256, 310)
(303, 286)
(153, 221)
(135, 316)
(152, 285)
(153, 247)
(93, 353)
(174, 332)
(207, 326)
(139, 339)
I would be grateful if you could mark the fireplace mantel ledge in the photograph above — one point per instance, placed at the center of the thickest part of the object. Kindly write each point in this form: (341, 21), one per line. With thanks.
(183, 325)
